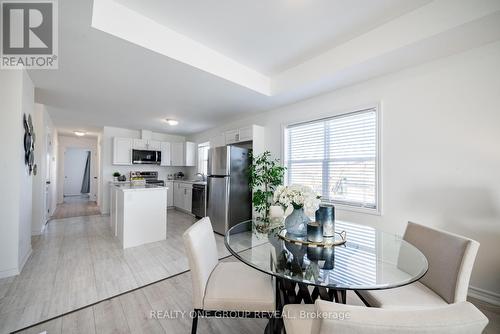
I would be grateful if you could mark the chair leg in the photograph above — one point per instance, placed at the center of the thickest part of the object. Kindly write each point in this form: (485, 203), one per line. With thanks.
(195, 322)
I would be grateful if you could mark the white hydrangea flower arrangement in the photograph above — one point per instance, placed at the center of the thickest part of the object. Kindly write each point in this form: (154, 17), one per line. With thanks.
(298, 196)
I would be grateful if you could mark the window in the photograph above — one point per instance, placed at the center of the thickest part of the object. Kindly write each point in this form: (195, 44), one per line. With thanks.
(203, 158)
(337, 157)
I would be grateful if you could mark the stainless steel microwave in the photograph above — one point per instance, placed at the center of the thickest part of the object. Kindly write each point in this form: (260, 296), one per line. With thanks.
(146, 157)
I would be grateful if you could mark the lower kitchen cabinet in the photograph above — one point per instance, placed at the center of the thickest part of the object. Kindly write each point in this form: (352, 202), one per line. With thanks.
(170, 193)
(183, 195)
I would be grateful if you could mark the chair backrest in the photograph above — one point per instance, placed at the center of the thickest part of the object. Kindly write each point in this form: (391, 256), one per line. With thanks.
(450, 257)
(459, 318)
(199, 241)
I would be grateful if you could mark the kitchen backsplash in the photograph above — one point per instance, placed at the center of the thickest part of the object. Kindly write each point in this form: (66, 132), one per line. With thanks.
(163, 172)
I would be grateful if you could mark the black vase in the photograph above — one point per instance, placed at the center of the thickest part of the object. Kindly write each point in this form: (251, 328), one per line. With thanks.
(325, 215)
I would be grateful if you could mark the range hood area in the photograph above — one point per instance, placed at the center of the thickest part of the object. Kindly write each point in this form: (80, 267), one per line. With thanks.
(147, 150)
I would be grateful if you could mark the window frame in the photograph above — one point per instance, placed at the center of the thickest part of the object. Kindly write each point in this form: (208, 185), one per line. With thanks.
(378, 160)
(200, 146)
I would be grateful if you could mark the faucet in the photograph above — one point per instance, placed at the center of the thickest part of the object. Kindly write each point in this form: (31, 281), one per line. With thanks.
(202, 176)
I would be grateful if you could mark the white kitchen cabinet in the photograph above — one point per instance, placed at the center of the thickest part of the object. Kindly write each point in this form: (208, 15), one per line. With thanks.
(122, 151)
(140, 144)
(188, 198)
(178, 198)
(242, 134)
(170, 193)
(177, 154)
(183, 154)
(190, 154)
(232, 136)
(245, 134)
(154, 145)
(165, 154)
(147, 144)
(183, 196)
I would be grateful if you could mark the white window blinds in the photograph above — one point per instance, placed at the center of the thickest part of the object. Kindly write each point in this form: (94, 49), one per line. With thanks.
(203, 158)
(336, 156)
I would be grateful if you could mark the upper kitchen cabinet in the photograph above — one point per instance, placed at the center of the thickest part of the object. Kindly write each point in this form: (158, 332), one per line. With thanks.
(190, 151)
(232, 136)
(154, 145)
(140, 144)
(146, 144)
(244, 134)
(183, 154)
(122, 151)
(165, 149)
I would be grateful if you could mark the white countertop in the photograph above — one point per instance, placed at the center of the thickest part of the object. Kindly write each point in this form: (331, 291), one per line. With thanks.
(188, 181)
(141, 187)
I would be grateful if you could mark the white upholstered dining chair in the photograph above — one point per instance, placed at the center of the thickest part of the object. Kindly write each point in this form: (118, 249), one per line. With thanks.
(450, 257)
(223, 286)
(332, 318)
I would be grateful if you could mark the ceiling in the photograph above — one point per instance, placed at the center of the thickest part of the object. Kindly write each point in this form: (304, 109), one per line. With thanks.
(270, 36)
(105, 79)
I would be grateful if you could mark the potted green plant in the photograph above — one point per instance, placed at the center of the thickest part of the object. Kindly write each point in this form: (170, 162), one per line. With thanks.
(116, 175)
(265, 173)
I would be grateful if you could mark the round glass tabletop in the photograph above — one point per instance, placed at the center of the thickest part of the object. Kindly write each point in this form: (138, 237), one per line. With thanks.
(369, 260)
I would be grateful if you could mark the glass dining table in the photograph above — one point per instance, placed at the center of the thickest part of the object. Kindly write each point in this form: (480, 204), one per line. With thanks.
(370, 259)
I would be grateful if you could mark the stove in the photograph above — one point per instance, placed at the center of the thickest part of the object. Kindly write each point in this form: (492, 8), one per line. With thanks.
(149, 177)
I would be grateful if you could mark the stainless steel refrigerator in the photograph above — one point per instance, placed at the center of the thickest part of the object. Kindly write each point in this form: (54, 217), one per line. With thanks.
(229, 198)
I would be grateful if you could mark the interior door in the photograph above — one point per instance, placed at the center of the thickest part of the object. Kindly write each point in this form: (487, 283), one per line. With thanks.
(75, 160)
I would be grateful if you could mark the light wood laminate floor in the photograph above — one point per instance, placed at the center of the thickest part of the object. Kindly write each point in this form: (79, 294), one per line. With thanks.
(77, 262)
(76, 206)
(131, 313)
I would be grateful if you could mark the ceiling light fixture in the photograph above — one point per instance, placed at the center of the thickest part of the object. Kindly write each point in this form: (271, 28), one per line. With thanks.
(80, 133)
(171, 122)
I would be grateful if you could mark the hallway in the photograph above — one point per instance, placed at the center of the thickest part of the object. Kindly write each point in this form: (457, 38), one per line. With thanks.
(76, 206)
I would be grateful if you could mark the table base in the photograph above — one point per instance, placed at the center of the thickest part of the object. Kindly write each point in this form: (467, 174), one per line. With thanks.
(290, 292)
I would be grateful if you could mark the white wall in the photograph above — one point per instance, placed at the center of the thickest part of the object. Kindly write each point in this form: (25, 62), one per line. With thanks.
(65, 142)
(44, 127)
(107, 157)
(16, 98)
(440, 148)
(26, 181)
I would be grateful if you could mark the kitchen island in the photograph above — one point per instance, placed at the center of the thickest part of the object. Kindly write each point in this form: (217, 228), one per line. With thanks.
(138, 213)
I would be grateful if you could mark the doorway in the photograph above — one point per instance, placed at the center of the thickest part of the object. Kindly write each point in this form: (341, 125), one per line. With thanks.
(79, 186)
(48, 176)
(77, 170)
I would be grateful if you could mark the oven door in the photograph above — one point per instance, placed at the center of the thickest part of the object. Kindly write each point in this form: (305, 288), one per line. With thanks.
(146, 157)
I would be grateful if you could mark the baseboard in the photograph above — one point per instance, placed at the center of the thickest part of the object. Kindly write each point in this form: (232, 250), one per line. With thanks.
(39, 232)
(9, 273)
(16, 271)
(183, 211)
(25, 259)
(484, 295)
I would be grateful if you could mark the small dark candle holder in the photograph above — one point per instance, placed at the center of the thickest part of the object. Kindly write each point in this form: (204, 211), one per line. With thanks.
(314, 232)
(325, 215)
(314, 253)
